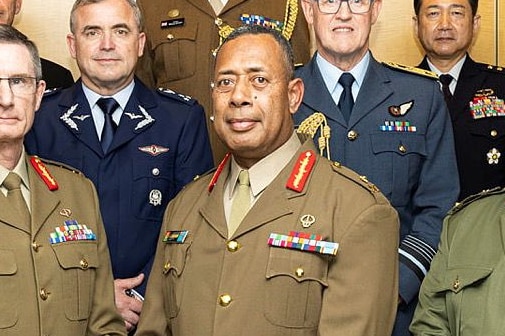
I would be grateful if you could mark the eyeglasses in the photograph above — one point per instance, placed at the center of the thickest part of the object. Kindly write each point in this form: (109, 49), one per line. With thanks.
(21, 85)
(355, 6)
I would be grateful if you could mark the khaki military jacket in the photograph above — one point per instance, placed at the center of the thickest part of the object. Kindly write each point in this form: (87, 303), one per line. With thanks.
(57, 289)
(212, 285)
(181, 38)
(464, 291)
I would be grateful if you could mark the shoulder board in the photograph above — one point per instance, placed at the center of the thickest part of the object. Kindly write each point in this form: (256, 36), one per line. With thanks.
(176, 96)
(298, 65)
(301, 171)
(493, 68)
(470, 199)
(50, 92)
(411, 70)
(353, 176)
(58, 164)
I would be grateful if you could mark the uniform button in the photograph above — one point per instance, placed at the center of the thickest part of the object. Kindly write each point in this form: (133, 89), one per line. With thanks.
(352, 135)
(494, 133)
(456, 284)
(225, 300)
(44, 294)
(402, 149)
(173, 13)
(35, 246)
(84, 264)
(170, 37)
(299, 272)
(155, 171)
(166, 267)
(218, 21)
(233, 246)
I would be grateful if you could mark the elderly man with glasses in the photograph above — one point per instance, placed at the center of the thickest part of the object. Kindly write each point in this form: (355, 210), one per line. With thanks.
(387, 122)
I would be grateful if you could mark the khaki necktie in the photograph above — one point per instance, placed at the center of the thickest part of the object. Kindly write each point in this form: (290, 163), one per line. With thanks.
(241, 202)
(217, 5)
(15, 198)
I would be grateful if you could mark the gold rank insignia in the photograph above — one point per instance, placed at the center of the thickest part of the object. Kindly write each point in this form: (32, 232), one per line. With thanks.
(301, 171)
(44, 174)
(411, 69)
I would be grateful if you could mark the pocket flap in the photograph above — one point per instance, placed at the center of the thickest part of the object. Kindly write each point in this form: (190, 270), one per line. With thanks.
(456, 279)
(78, 254)
(7, 262)
(401, 143)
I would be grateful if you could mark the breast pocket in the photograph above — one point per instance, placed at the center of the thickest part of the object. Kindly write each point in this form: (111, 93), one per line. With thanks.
(175, 52)
(79, 260)
(175, 261)
(399, 157)
(153, 186)
(9, 289)
(294, 290)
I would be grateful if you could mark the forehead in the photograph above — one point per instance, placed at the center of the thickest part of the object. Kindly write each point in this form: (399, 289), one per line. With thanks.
(105, 13)
(15, 59)
(444, 3)
(249, 52)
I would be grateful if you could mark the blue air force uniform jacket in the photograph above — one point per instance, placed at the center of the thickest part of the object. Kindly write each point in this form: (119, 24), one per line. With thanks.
(415, 167)
(479, 139)
(161, 144)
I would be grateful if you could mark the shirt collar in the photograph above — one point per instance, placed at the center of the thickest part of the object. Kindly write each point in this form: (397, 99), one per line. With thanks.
(121, 97)
(19, 169)
(454, 72)
(264, 171)
(331, 73)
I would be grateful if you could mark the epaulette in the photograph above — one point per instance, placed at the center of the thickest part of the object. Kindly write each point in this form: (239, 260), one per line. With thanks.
(58, 164)
(472, 198)
(298, 65)
(411, 70)
(176, 96)
(50, 92)
(353, 176)
(493, 68)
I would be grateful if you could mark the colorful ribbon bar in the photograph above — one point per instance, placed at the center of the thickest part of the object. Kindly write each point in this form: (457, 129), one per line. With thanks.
(71, 231)
(175, 237)
(304, 242)
(398, 126)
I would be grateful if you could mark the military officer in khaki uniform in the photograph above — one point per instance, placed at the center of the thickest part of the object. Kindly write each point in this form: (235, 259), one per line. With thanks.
(55, 274)
(301, 246)
(182, 35)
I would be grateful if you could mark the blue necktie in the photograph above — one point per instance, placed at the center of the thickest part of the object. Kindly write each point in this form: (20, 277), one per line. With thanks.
(346, 102)
(108, 106)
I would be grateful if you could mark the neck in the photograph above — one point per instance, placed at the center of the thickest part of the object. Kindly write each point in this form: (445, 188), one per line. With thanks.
(10, 155)
(444, 65)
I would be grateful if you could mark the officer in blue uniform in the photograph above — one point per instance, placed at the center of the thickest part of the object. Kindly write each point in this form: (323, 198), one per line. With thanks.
(159, 144)
(476, 90)
(398, 133)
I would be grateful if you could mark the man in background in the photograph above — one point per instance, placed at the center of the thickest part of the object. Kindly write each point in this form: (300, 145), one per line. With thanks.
(474, 92)
(139, 147)
(182, 36)
(388, 123)
(54, 74)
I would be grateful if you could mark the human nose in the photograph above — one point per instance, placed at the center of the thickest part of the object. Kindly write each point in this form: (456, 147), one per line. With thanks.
(445, 21)
(241, 93)
(344, 11)
(107, 41)
(6, 95)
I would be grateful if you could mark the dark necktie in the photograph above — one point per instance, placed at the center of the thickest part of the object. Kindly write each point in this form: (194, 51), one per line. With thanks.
(108, 106)
(446, 80)
(346, 102)
(15, 198)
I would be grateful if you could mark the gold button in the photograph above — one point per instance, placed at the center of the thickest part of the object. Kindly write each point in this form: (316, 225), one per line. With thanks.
(166, 267)
(352, 135)
(170, 37)
(233, 246)
(35, 246)
(218, 21)
(84, 264)
(299, 272)
(402, 149)
(225, 300)
(44, 294)
(494, 133)
(173, 13)
(456, 284)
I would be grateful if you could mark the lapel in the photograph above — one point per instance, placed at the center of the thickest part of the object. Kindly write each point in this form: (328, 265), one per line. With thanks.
(204, 6)
(43, 201)
(75, 115)
(469, 82)
(374, 90)
(316, 96)
(137, 116)
(231, 4)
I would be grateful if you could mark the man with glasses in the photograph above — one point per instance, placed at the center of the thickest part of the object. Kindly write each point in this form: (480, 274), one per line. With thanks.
(388, 123)
(475, 91)
(55, 272)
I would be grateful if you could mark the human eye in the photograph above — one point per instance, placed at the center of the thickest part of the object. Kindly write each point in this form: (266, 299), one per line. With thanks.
(122, 31)
(224, 84)
(18, 81)
(458, 13)
(432, 14)
(259, 82)
(92, 33)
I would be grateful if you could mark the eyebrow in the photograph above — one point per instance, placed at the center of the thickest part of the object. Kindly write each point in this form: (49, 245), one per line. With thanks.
(451, 6)
(116, 26)
(248, 71)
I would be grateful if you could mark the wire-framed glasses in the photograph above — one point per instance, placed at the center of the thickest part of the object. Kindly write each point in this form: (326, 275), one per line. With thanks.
(355, 6)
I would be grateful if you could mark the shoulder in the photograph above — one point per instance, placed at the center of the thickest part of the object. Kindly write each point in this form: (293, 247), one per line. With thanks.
(53, 173)
(172, 96)
(494, 69)
(410, 70)
(480, 201)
